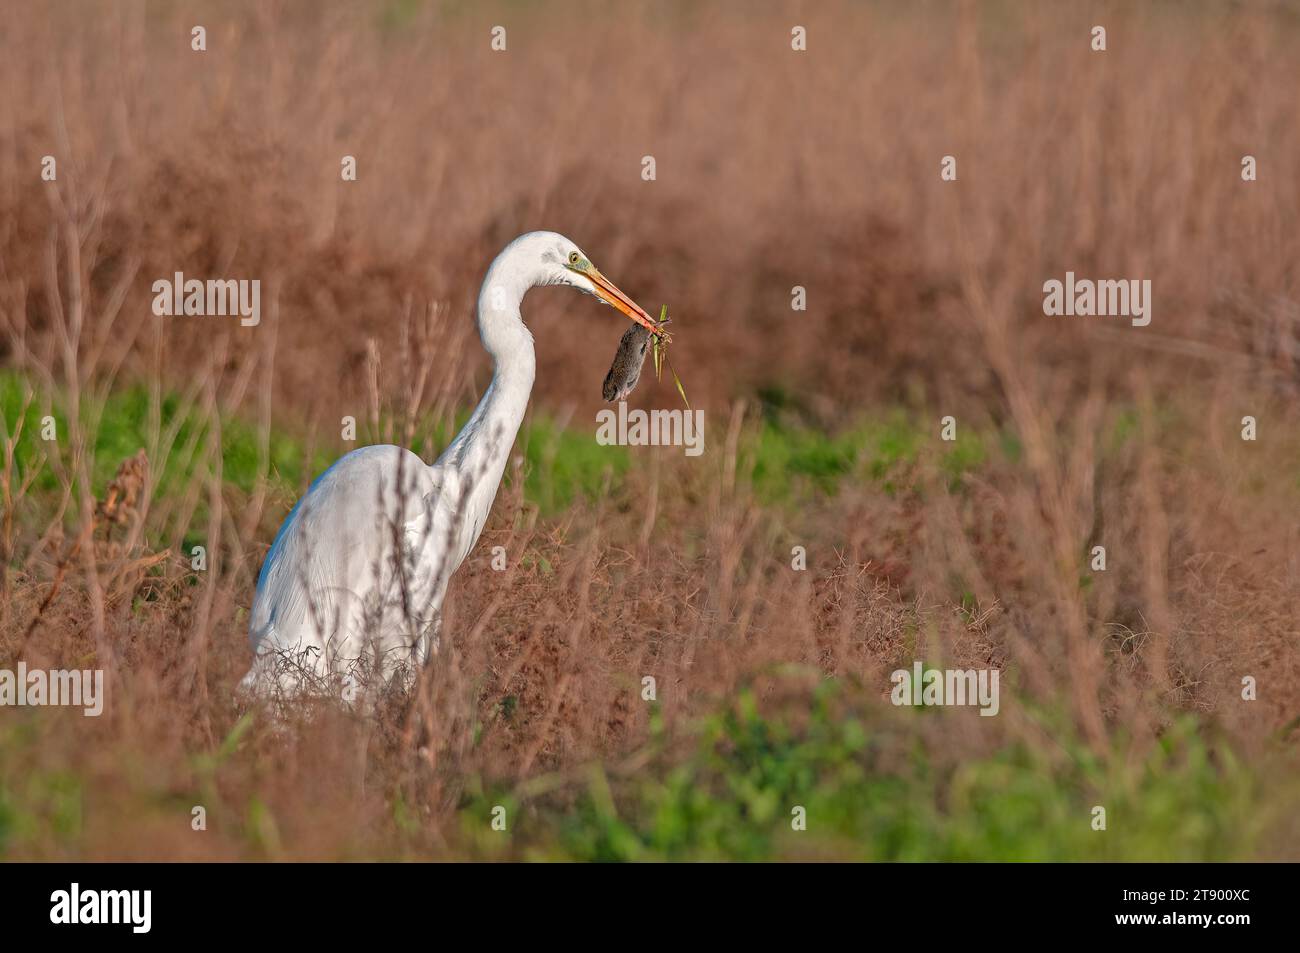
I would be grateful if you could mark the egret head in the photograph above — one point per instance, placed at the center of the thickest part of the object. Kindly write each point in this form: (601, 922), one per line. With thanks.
(567, 264)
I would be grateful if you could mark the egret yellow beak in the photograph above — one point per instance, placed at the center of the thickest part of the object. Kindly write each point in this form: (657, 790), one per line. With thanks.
(608, 292)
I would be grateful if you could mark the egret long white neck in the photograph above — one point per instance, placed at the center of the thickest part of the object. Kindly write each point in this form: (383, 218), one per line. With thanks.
(483, 445)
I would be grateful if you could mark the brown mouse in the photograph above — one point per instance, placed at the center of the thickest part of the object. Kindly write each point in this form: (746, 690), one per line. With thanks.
(628, 361)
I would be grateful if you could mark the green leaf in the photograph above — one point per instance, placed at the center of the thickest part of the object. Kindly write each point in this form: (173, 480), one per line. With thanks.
(681, 390)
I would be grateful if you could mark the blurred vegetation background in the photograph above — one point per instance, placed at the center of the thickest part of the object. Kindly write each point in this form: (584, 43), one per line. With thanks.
(774, 169)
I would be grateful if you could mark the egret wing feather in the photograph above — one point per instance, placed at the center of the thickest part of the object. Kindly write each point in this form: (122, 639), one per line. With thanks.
(360, 565)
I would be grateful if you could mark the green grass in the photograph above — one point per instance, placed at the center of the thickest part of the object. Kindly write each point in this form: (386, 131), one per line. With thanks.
(124, 429)
(36, 805)
(872, 790)
(790, 460)
(563, 465)
(871, 783)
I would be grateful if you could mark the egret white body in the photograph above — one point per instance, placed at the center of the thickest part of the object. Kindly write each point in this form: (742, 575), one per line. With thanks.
(356, 576)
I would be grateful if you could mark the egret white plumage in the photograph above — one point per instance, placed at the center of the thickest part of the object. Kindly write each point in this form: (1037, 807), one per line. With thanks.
(358, 570)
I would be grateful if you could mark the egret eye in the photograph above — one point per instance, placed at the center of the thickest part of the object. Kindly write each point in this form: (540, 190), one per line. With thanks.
(574, 258)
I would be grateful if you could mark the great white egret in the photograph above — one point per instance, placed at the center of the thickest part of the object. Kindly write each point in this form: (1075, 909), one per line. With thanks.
(356, 576)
